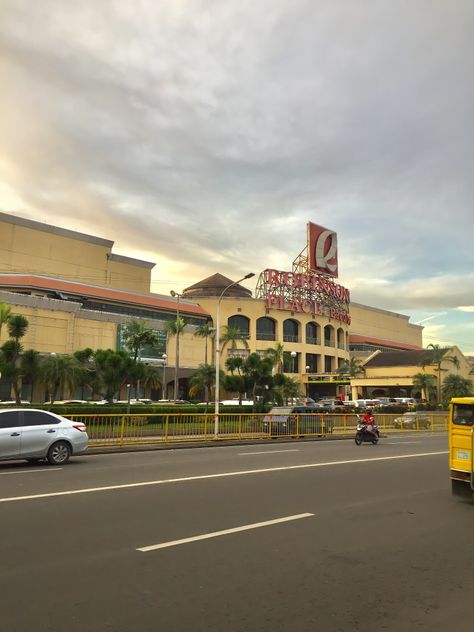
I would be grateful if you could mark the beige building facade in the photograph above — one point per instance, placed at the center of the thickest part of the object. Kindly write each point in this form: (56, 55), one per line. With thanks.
(76, 293)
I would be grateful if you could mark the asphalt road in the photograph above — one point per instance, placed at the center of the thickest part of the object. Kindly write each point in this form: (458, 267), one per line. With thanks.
(299, 537)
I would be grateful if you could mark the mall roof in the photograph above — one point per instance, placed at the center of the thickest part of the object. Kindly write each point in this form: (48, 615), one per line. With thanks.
(214, 285)
(369, 340)
(397, 358)
(65, 289)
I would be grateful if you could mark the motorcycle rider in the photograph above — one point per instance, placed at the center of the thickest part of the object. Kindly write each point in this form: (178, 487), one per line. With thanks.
(368, 420)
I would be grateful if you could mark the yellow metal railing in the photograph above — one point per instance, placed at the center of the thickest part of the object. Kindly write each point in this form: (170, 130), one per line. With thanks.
(163, 428)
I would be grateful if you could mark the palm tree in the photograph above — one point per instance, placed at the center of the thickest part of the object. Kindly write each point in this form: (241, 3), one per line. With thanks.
(202, 380)
(456, 386)
(436, 355)
(286, 388)
(60, 373)
(86, 375)
(137, 336)
(276, 353)
(232, 335)
(17, 326)
(9, 368)
(425, 383)
(5, 313)
(30, 365)
(234, 365)
(113, 369)
(352, 367)
(258, 372)
(152, 377)
(204, 331)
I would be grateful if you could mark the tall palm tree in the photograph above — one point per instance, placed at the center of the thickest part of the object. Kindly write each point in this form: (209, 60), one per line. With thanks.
(137, 336)
(205, 331)
(5, 313)
(277, 354)
(435, 355)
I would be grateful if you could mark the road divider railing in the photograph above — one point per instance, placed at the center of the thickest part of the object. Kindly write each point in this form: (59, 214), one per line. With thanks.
(121, 430)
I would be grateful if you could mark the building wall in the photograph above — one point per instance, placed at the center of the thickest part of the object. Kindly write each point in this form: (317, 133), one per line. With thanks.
(394, 376)
(255, 308)
(58, 326)
(28, 246)
(379, 323)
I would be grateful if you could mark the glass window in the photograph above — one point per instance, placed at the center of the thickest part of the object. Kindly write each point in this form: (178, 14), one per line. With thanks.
(290, 363)
(38, 418)
(312, 334)
(9, 419)
(290, 330)
(329, 336)
(241, 323)
(463, 414)
(266, 329)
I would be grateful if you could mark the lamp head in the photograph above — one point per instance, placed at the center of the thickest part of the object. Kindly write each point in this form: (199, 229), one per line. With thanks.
(249, 275)
(173, 293)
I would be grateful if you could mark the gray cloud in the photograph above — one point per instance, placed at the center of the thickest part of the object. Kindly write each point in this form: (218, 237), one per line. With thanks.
(208, 133)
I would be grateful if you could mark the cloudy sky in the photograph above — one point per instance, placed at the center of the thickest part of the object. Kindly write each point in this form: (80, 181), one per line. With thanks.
(204, 135)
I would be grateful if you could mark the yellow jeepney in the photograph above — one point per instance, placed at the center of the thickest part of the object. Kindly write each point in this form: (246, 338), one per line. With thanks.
(461, 446)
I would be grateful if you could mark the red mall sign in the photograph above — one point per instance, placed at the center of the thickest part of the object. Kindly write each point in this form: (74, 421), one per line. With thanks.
(322, 249)
(311, 293)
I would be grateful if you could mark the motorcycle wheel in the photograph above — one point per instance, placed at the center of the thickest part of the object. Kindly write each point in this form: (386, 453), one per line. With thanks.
(358, 439)
(375, 440)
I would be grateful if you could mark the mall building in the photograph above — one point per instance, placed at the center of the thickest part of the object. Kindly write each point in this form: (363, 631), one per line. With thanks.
(77, 293)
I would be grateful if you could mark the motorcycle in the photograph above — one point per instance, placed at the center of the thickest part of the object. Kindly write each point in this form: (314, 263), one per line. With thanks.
(363, 435)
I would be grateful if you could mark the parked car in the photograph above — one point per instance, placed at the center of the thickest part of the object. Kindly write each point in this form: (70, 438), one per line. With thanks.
(31, 434)
(412, 420)
(290, 420)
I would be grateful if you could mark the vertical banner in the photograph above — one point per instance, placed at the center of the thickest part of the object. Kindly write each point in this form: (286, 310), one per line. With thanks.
(322, 250)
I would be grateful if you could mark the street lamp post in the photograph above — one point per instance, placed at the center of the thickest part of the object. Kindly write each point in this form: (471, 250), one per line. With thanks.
(164, 356)
(176, 364)
(307, 383)
(218, 350)
(293, 356)
(129, 387)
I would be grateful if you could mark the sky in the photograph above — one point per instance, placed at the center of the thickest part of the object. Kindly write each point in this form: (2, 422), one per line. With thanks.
(203, 135)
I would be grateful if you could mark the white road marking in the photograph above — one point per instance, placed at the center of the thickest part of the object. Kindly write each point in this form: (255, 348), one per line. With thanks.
(51, 469)
(266, 452)
(202, 477)
(216, 534)
(400, 442)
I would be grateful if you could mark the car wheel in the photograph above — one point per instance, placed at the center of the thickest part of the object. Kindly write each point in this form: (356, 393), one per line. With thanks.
(59, 453)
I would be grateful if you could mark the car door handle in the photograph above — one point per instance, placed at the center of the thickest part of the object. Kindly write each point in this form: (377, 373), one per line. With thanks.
(50, 430)
(15, 434)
